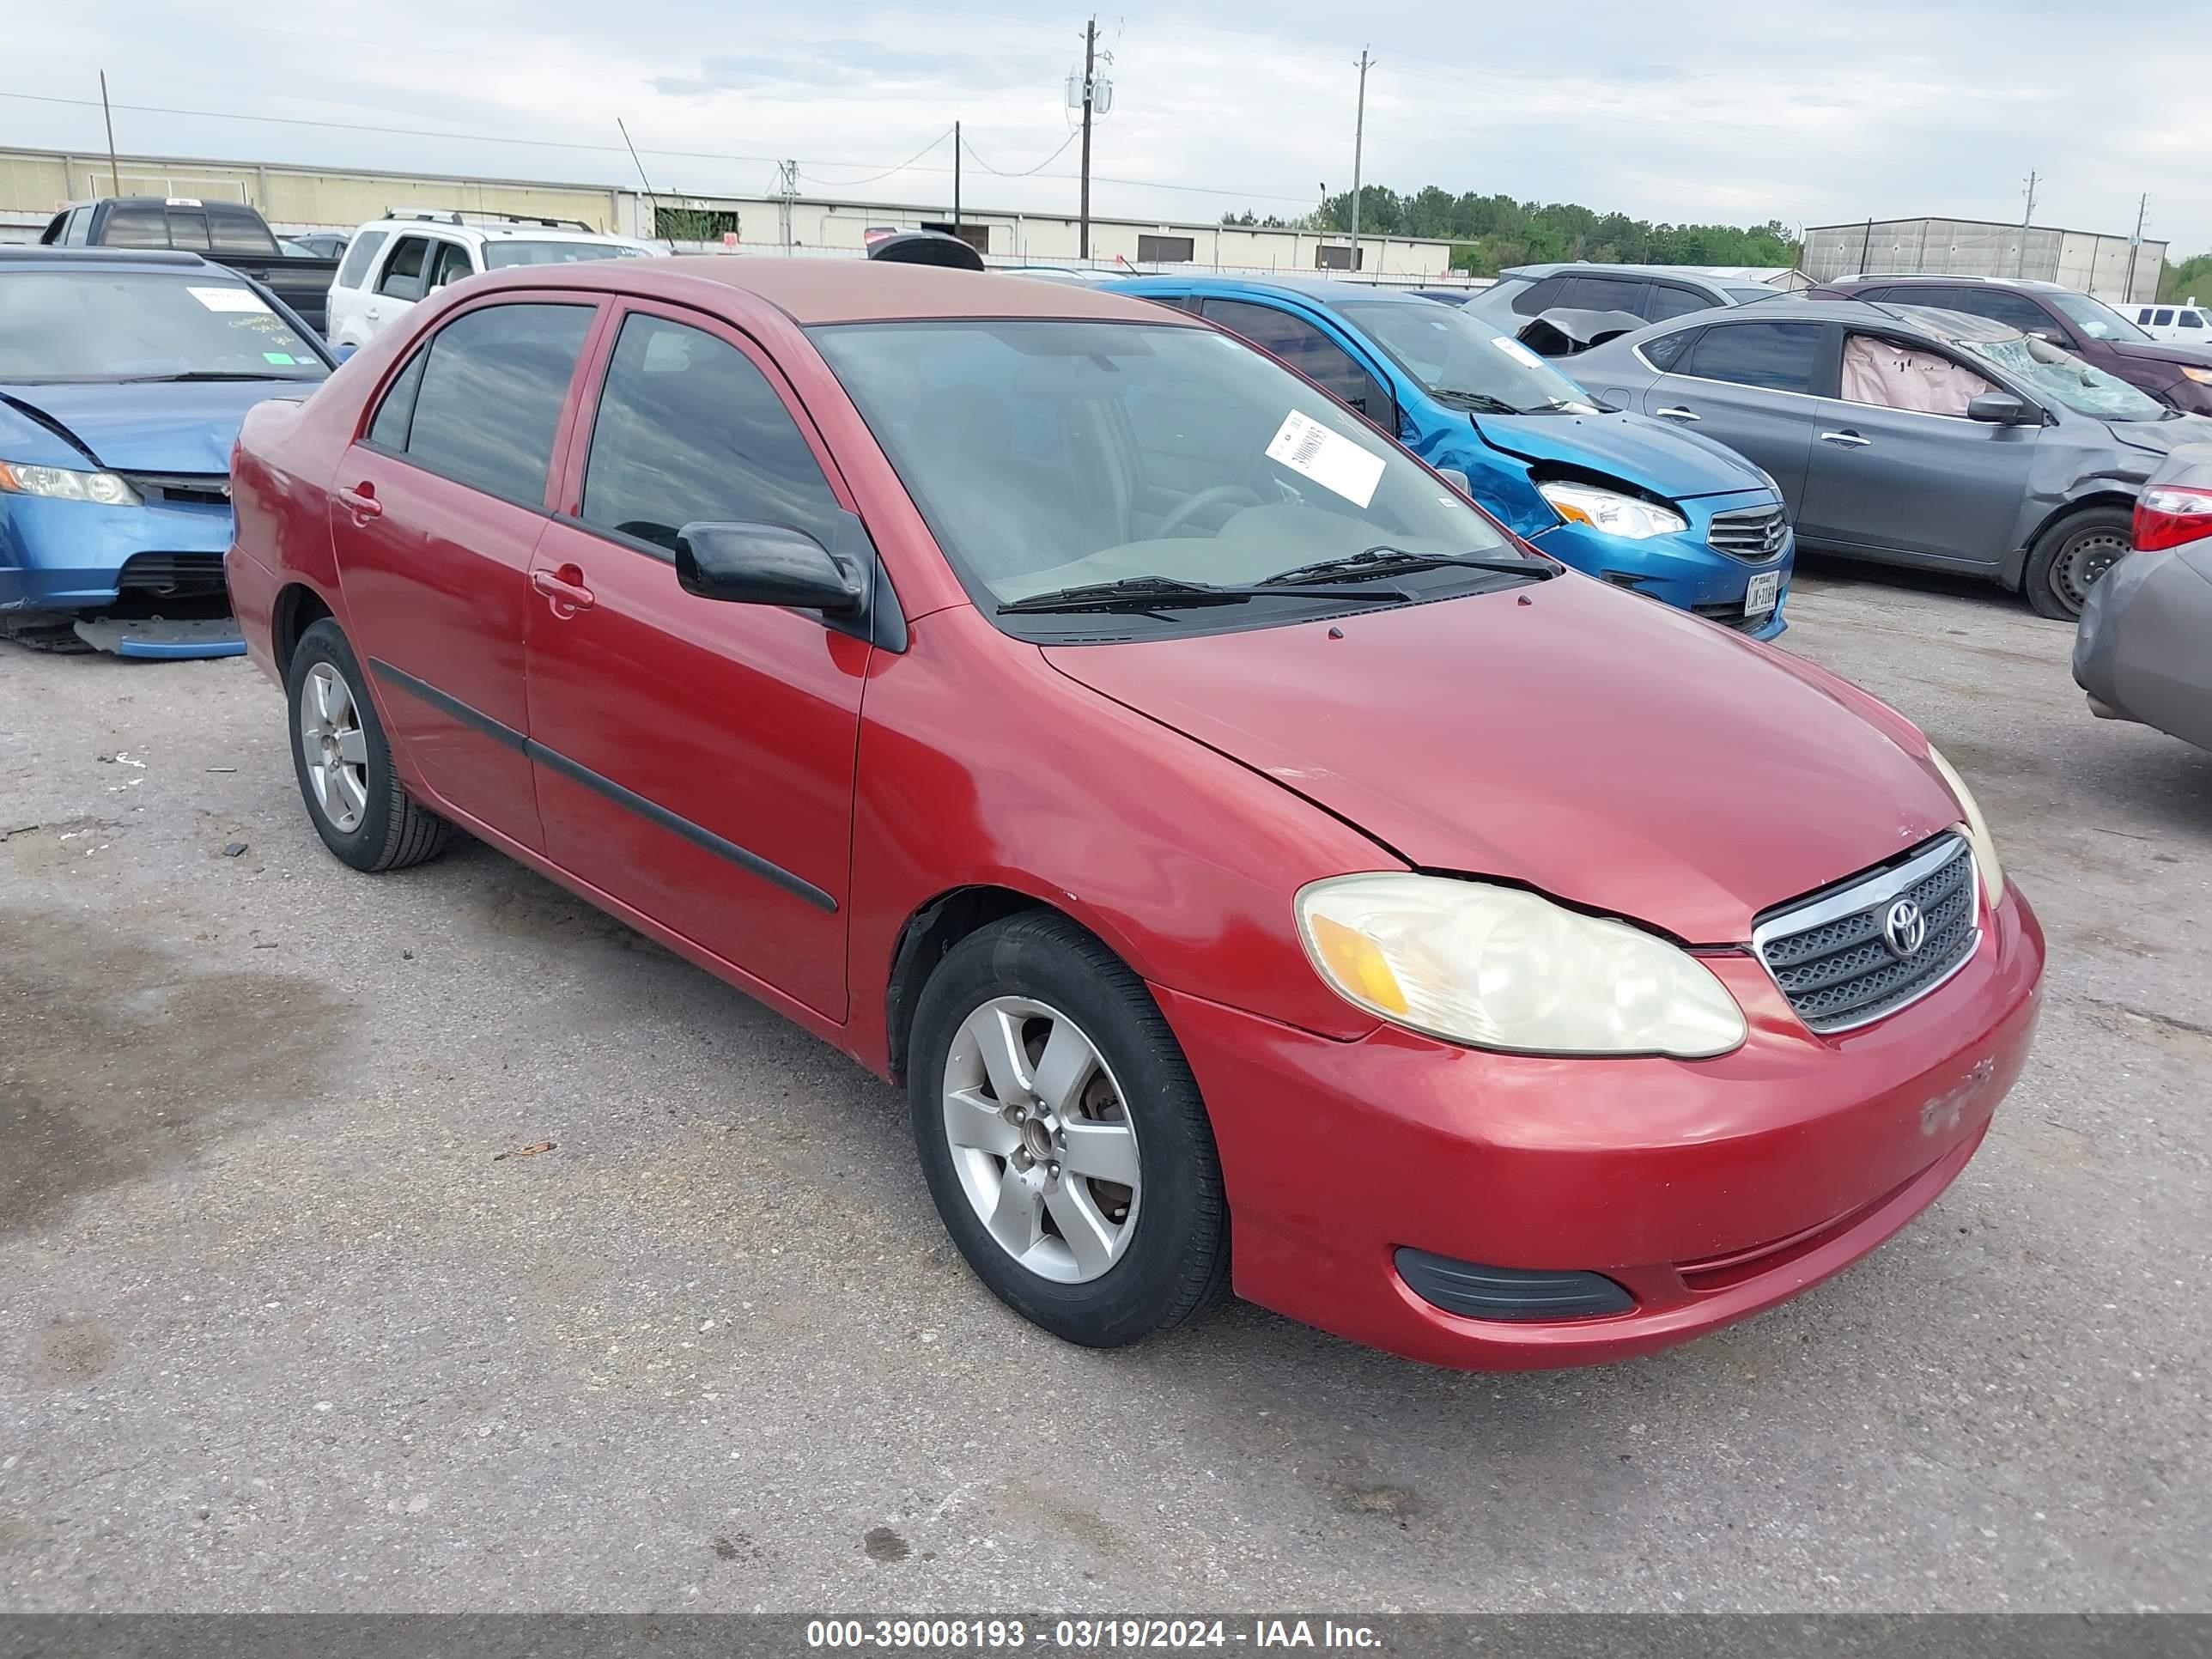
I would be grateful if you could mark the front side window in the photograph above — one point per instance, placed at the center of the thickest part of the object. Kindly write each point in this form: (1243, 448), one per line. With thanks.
(201, 324)
(1603, 294)
(73, 229)
(1459, 359)
(2095, 318)
(1052, 455)
(1776, 357)
(405, 271)
(690, 431)
(453, 263)
(491, 394)
(2064, 379)
(393, 415)
(2190, 319)
(359, 256)
(1890, 374)
(1305, 349)
(1167, 250)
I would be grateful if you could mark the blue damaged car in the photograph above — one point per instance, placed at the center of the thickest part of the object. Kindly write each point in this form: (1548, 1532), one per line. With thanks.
(124, 376)
(1628, 499)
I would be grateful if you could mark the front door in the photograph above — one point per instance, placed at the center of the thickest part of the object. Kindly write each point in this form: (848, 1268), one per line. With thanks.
(435, 517)
(695, 757)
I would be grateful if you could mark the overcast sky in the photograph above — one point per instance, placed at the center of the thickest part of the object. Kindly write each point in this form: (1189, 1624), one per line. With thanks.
(1810, 114)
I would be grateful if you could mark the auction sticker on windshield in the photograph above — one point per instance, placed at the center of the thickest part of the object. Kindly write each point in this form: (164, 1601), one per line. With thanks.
(228, 299)
(1518, 352)
(1310, 449)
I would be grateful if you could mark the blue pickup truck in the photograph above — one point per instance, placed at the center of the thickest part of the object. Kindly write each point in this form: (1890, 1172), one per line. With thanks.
(1626, 498)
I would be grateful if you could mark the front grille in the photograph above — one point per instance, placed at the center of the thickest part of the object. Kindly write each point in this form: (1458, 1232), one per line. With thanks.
(1830, 952)
(195, 489)
(1728, 613)
(1755, 534)
(172, 576)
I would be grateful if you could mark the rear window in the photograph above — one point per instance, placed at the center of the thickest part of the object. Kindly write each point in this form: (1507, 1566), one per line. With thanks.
(239, 232)
(517, 359)
(136, 227)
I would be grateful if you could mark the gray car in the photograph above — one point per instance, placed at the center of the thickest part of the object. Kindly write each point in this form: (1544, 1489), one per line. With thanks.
(1913, 436)
(1657, 293)
(2144, 650)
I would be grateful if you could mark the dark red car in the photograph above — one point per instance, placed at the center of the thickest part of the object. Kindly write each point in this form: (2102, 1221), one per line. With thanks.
(1259, 866)
(2175, 375)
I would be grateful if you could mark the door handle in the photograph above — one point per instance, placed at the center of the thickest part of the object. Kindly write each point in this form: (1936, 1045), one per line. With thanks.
(1847, 439)
(565, 588)
(361, 502)
(1678, 413)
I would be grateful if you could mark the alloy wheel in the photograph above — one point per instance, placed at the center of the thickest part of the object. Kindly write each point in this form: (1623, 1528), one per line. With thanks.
(334, 748)
(1042, 1140)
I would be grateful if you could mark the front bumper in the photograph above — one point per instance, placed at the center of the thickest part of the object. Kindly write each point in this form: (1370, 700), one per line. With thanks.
(2139, 648)
(68, 555)
(1708, 1190)
(1683, 570)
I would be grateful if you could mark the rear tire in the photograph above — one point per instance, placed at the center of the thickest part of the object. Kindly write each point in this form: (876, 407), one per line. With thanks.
(1103, 1262)
(2069, 558)
(351, 789)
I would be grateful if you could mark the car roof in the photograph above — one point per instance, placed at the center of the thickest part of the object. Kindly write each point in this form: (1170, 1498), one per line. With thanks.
(811, 291)
(529, 230)
(1930, 321)
(1962, 280)
(107, 258)
(1589, 268)
(1318, 290)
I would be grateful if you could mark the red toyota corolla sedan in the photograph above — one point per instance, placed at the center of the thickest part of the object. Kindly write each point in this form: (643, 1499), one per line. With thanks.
(1259, 867)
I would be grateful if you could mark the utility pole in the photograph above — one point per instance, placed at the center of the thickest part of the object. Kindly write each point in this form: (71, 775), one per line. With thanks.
(788, 190)
(1090, 70)
(2024, 219)
(2135, 246)
(1359, 141)
(114, 172)
(956, 178)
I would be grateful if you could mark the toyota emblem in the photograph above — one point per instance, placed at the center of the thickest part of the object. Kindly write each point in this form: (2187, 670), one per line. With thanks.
(1905, 929)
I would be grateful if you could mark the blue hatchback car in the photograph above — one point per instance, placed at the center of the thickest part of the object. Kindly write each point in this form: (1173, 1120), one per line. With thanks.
(123, 377)
(1623, 497)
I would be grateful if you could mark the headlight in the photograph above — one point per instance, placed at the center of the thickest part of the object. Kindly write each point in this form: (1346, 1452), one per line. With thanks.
(1977, 830)
(1610, 511)
(1499, 968)
(62, 484)
(2201, 376)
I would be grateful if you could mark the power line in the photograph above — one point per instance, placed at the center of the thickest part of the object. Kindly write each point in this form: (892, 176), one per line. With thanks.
(1025, 173)
(846, 184)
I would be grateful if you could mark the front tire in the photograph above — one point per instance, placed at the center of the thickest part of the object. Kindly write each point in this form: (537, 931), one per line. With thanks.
(2069, 558)
(1063, 1137)
(351, 789)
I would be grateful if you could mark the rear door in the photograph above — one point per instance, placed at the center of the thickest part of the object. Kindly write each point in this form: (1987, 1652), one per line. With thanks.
(1749, 385)
(438, 507)
(695, 757)
(351, 288)
(1932, 486)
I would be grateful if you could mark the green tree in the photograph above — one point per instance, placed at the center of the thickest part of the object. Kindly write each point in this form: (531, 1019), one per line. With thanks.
(2190, 278)
(1488, 233)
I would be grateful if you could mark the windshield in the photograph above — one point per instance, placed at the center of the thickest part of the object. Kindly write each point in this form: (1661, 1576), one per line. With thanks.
(500, 255)
(1455, 355)
(1747, 296)
(2095, 318)
(144, 326)
(1053, 455)
(2066, 379)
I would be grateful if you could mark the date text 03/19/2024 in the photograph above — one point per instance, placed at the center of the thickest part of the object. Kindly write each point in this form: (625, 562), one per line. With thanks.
(1084, 1635)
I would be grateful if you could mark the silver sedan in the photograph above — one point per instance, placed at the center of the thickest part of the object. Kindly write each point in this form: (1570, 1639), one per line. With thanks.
(2144, 651)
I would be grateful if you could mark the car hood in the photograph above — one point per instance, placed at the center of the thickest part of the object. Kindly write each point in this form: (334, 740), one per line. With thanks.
(2162, 437)
(2161, 351)
(1635, 448)
(182, 426)
(1569, 736)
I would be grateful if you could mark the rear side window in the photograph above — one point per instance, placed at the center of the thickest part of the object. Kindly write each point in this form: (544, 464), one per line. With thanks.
(358, 257)
(1662, 352)
(1778, 357)
(1539, 296)
(2016, 310)
(1666, 302)
(517, 360)
(136, 227)
(403, 271)
(1307, 349)
(690, 431)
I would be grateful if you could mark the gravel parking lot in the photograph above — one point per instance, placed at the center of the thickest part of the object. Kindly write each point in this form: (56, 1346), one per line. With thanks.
(278, 1328)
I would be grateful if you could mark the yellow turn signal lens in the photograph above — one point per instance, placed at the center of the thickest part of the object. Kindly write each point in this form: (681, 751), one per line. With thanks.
(1357, 963)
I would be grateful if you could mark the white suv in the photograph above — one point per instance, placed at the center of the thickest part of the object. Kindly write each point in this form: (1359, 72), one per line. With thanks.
(394, 261)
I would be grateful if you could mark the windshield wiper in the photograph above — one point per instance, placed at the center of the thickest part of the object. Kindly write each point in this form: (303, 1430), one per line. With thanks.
(1166, 593)
(1383, 559)
(200, 374)
(1477, 400)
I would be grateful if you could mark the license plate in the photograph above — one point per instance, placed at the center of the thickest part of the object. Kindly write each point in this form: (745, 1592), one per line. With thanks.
(1758, 599)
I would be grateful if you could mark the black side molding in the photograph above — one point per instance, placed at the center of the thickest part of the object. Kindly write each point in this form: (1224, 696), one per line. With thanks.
(697, 834)
(1477, 1292)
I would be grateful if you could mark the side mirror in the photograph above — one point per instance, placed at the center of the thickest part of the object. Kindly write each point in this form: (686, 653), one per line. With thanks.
(2051, 337)
(1997, 408)
(767, 564)
(1458, 480)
